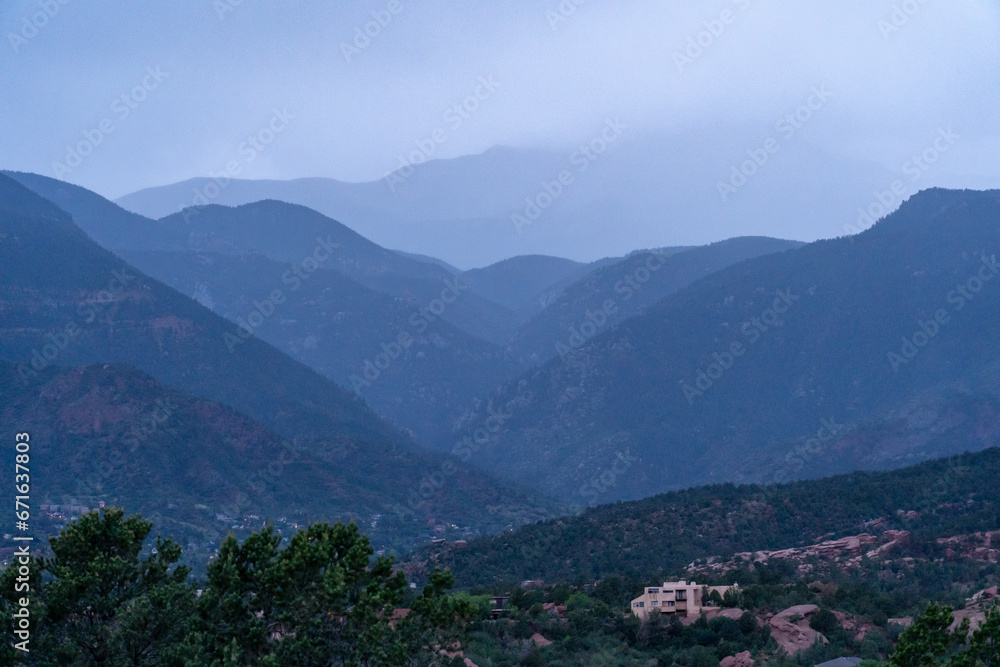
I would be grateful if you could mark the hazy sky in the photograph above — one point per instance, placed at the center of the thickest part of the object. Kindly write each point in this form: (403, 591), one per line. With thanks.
(351, 107)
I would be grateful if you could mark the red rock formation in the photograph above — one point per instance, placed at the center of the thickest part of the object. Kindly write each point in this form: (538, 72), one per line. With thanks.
(739, 660)
(790, 628)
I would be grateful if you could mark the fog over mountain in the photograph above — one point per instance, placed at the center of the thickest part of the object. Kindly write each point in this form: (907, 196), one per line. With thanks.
(696, 91)
(476, 210)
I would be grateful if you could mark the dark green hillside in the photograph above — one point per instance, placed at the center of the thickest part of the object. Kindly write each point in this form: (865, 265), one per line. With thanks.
(658, 536)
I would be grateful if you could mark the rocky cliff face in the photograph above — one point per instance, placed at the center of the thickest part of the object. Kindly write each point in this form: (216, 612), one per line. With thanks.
(790, 628)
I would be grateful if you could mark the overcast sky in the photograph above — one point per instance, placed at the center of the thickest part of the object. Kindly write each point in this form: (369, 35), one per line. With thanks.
(354, 106)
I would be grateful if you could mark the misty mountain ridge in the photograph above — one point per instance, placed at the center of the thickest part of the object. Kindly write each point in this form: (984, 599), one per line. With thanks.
(374, 335)
(99, 310)
(697, 387)
(634, 195)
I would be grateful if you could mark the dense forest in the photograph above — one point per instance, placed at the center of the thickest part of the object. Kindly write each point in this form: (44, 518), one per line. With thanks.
(657, 537)
(105, 593)
(108, 595)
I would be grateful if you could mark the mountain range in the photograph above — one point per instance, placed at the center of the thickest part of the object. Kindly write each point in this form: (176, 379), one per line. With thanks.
(534, 385)
(724, 379)
(476, 210)
(417, 341)
(67, 304)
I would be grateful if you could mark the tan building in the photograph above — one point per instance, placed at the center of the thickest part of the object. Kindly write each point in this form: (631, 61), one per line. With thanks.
(675, 597)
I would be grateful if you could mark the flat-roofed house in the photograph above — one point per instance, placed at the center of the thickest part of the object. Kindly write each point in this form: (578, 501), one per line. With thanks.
(675, 597)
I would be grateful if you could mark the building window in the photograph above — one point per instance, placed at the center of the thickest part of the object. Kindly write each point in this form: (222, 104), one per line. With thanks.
(681, 596)
(654, 603)
(642, 604)
(667, 592)
(653, 590)
(670, 604)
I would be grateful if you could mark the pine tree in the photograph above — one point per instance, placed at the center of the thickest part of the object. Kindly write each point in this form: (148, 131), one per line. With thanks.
(101, 601)
(929, 642)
